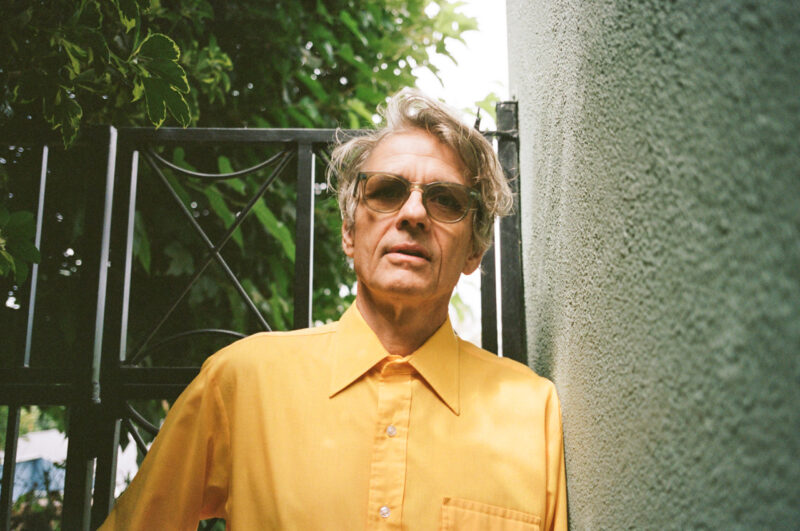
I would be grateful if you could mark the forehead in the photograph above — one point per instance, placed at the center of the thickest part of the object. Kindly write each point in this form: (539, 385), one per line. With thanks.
(416, 155)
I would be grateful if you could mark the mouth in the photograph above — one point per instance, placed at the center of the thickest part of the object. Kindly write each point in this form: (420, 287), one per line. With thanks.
(409, 249)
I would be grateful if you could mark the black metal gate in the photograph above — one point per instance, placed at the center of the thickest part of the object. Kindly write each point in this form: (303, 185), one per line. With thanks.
(105, 373)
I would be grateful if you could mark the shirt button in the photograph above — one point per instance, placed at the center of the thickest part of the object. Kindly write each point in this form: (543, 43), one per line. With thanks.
(391, 431)
(385, 512)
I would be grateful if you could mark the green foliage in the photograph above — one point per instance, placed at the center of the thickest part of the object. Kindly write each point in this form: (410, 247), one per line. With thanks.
(41, 508)
(66, 61)
(16, 246)
(306, 63)
(489, 105)
(35, 511)
(312, 63)
(33, 418)
(161, 79)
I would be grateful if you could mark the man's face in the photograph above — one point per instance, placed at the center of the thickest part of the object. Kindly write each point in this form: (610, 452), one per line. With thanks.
(405, 256)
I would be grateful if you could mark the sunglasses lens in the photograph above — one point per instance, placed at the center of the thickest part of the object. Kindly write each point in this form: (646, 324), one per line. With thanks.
(447, 202)
(385, 193)
(444, 201)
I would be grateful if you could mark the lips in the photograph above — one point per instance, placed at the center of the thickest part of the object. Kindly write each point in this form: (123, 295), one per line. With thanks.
(410, 249)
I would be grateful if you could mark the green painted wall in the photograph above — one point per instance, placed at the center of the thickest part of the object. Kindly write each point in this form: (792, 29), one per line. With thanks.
(660, 167)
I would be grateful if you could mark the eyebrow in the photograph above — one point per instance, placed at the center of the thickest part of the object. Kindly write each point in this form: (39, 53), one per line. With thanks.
(381, 172)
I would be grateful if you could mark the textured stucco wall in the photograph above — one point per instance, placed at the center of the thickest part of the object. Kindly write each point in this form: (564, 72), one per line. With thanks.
(661, 221)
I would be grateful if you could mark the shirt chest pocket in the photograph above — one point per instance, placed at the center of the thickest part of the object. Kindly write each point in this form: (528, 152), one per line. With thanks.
(465, 515)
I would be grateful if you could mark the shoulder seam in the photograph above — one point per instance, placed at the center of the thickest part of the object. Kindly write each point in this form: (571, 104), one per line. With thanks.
(494, 359)
(321, 330)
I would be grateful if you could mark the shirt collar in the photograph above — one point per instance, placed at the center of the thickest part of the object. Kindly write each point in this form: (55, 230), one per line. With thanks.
(356, 349)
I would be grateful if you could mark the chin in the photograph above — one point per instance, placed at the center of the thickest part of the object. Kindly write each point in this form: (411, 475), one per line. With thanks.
(404, 288)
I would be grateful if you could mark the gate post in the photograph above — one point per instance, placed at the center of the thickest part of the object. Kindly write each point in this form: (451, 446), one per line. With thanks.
(109, 428)
(304, 239)
(512, 293)
(84, 413)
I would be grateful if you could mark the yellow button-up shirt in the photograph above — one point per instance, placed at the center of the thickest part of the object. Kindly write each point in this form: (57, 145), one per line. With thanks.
(322, 429)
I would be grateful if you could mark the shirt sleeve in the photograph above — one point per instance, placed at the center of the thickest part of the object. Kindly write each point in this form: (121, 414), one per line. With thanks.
(556, 476)
(184, 477)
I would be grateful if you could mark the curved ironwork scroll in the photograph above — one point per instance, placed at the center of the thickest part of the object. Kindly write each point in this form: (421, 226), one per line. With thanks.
(137, 417)
(137, 438)
(212, 176)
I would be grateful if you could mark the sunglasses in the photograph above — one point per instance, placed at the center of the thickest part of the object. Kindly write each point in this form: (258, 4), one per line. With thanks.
(444, 201)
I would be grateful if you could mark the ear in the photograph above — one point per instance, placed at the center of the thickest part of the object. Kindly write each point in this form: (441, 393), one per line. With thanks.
(473, 261)
(348, 243)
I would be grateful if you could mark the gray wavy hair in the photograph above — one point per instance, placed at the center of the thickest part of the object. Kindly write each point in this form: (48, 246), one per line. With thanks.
(411, 109)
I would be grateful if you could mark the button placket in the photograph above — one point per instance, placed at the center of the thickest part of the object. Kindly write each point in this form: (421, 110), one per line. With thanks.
(388, 467)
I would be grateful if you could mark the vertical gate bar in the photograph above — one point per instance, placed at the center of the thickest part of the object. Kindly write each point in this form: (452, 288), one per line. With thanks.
(102, 281)
(80, 465)
(488, 302)
(126, 287)
(106, 471)
(304, 236)
(9, 467)
(84, 415)
(35, 268)
(114, 344)
(512, 295)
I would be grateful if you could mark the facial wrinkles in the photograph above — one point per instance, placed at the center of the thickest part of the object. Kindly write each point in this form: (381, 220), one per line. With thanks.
(421, 169)
(430, 237)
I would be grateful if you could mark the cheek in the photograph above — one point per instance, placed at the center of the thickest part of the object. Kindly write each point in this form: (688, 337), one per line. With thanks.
(367, 239)
(459, 244)
(453, 249)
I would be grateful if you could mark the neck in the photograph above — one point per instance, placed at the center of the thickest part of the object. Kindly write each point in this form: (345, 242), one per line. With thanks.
(401, 328)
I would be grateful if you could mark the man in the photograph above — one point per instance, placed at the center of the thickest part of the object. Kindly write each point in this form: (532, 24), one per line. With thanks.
(385, 419)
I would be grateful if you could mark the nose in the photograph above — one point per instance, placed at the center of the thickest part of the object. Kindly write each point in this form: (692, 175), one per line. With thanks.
(413, 211)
